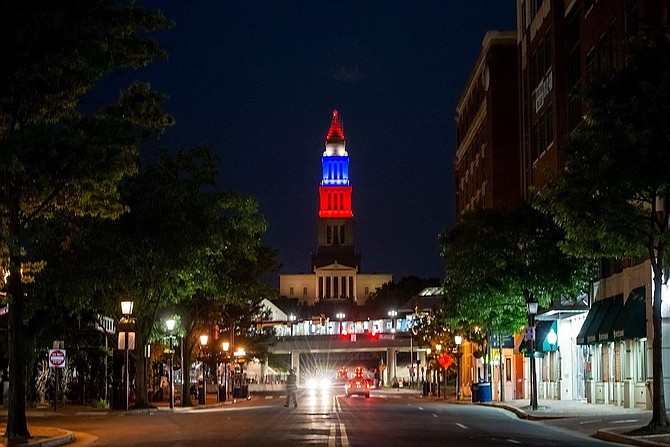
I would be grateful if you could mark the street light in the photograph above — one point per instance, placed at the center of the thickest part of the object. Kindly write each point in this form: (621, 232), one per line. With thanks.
(392, 314)
(203, 357)
(126, 324)
(340, 316)
(170, 324)
(226, 359)
(532, 311)
(458, 340)
(292, 319)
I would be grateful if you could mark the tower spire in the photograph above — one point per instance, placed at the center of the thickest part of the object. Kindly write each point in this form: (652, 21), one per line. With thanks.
(335, 133)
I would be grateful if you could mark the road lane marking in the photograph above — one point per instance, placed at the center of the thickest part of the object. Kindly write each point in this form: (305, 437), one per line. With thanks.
(458, 424)
(513, 441)
(628, 421)
(590, 422)
(344, 440)
(434, 415)
(332, 438)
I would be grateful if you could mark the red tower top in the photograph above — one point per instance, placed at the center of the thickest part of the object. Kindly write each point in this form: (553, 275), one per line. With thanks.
(335, 134)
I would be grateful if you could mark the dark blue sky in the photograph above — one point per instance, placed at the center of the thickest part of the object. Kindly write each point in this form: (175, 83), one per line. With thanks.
(257, 81)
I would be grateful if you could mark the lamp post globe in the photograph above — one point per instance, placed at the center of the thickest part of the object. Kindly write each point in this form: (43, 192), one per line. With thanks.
(127, 312)
(202, 394)
(532, 308)
(170, 325)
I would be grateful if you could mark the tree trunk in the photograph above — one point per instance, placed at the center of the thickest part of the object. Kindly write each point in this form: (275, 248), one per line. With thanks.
(141, 400)
(17, 425)
(659, 418)
(187, 349)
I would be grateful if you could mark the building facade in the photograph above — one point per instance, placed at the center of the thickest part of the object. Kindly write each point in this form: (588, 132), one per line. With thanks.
(335, 275)
(487, 168)
(487, 152)
(560, 43)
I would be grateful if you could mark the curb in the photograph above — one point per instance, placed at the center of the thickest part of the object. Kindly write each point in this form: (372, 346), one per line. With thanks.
(613, 436)
(66, 438)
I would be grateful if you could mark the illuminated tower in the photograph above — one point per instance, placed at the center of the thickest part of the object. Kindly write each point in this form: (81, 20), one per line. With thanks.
(335, 279)
(336, 218)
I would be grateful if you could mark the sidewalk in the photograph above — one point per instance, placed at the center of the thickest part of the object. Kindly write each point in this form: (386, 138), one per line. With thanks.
(553, 409)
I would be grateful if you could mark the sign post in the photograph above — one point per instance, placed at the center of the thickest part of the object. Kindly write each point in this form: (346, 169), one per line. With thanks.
(57, 359)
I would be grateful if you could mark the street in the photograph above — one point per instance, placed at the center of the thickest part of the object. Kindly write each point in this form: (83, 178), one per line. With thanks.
(327, 419)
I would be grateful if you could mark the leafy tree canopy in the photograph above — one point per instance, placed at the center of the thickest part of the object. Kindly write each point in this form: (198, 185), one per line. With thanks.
(499, 261)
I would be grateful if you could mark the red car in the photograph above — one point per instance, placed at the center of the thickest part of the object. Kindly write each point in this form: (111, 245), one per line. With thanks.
(358, 385)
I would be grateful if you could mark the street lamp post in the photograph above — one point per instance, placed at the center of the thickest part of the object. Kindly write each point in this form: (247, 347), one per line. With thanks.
(127, 311)
(170, 324)
(458, 340)
(226, 359)
(203, 392)
(532, 311)
(438, 348)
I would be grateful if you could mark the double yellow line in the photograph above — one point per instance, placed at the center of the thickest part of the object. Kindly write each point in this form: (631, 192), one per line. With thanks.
(337, 427)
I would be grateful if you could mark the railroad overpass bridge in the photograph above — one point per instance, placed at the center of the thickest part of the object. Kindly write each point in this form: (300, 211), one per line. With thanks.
(396, 351)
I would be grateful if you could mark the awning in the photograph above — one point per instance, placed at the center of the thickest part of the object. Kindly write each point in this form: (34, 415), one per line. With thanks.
(605, 333)
(632, 320)
(581, 337)
(601, 314)
(594, 321)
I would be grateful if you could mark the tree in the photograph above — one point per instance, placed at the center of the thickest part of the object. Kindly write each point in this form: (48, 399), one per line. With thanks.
(613, 196)
(497, 262)
(176, 250)
(55, 155)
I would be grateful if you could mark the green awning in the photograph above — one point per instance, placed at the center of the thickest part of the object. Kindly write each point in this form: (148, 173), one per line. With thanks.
(632, 320)
(581, 337)
(601, 314)
(605, 333)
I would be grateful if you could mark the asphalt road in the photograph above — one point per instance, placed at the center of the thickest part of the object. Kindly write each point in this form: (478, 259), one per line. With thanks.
(320, 420)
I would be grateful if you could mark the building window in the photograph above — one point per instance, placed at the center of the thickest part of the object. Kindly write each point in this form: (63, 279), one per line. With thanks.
(304, 291)
(366, 290)
(604, 363)
(342, 234)
(329, 235)
(290, 291)
(641, 365)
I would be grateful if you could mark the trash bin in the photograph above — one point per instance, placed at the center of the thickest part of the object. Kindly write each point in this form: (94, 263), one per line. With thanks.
(222, 393)
(426, 388)
(201, 392)
(484, 391)
(475, 392)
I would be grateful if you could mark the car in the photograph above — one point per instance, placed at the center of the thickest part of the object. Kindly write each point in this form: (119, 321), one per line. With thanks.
(318, 383)
(357, 385)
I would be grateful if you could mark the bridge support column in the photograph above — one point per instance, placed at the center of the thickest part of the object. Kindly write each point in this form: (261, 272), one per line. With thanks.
(391, 366)
(295, 362)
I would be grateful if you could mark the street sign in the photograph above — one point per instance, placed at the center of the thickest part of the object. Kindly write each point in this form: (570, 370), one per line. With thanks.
(529, 334)
(57, 358)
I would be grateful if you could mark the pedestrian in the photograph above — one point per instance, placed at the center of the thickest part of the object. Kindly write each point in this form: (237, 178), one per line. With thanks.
(291, 389)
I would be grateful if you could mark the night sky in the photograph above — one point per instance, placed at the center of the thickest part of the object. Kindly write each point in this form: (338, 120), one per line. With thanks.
(258, 80)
